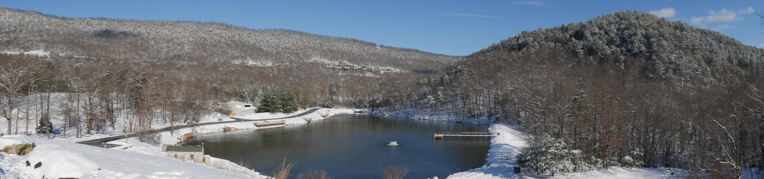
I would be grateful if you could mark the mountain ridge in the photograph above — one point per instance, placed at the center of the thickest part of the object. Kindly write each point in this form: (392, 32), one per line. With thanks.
(668, 50)
(139, 39)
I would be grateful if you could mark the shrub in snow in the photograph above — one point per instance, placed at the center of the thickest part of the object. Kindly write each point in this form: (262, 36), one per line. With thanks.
(45, 126)
(147, 135)
(16, 144)
(548, 156)
(629, 160)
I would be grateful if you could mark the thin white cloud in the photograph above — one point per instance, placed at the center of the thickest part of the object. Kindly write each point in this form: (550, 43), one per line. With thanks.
(761, 45)
(665, 12)
(721, 27)
(532, 3)
(748, 10)
(723, 15)
(458, 14)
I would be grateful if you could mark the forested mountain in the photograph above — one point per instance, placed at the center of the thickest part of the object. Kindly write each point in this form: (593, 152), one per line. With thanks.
(627, 88)
(655, 48)
(144, 71)
(222, 61)
(179, 42)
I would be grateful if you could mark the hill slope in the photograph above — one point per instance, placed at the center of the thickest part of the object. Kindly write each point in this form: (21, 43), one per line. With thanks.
(170, 40)
(622, 89)
(656, 47)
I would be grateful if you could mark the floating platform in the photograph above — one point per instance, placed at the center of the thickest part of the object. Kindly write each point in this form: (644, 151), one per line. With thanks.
(441, 135)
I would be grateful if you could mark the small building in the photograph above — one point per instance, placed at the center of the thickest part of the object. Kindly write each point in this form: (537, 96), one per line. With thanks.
(186, 152)
(239, 108)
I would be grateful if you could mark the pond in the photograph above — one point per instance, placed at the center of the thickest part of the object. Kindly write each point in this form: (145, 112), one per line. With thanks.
(354, 146)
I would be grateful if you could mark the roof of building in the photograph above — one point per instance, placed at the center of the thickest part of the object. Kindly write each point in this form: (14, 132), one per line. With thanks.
(182, 148)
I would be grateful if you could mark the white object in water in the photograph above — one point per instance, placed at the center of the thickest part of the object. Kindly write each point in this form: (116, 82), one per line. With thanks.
(392, 144)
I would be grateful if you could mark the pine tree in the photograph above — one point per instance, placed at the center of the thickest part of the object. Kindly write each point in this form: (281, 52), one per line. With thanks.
(45, 126)
(271, 102)
(289, 102)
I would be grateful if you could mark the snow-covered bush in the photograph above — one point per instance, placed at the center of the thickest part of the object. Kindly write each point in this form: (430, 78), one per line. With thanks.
(45, 126)
(632, 160)
(548, 156)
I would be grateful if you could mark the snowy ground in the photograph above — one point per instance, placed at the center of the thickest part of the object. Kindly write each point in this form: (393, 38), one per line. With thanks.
(67, 159)
(501, 156)
(62, 157)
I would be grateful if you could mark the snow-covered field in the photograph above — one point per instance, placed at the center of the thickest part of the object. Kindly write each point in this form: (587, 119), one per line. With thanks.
(66, 159)
(61, 157)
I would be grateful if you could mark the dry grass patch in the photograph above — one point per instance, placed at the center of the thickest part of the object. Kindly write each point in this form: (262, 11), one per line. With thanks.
(283, 171)
(393, 172)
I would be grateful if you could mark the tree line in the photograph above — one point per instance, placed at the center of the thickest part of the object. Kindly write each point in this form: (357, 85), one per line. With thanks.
(92, 95)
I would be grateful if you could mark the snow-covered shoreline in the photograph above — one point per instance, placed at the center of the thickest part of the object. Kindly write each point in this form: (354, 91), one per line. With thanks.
(320, 114)
(501, 161)
(174, 136)
(120, 161)
(14, 166)
(504, 148)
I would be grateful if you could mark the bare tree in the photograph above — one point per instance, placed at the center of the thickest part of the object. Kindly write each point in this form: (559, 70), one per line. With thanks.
(15, 73)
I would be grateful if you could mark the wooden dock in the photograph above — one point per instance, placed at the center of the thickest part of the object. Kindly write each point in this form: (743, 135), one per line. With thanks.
(441, 135)
(270, 124)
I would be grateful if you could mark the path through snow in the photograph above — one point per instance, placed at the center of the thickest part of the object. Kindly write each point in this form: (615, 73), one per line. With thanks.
(501, 156)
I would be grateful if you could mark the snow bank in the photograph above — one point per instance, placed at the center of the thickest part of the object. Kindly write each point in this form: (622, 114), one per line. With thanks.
(501, 156)
(320, 114)
(58, 162)
(13, 140)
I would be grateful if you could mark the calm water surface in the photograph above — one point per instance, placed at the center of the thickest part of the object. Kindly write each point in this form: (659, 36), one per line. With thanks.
(354, 147)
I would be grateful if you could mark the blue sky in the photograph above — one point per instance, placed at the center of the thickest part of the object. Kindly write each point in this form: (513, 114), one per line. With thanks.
(439, 26)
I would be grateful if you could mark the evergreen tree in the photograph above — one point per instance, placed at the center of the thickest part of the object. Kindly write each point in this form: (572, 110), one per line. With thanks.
(279, 101)
(45, 126)
(289, 102)
(271, 102)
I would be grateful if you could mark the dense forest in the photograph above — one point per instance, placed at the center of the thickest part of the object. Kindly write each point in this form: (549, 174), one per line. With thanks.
(622, 89)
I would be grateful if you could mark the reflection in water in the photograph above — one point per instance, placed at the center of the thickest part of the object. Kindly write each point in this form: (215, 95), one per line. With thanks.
(354, 147)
